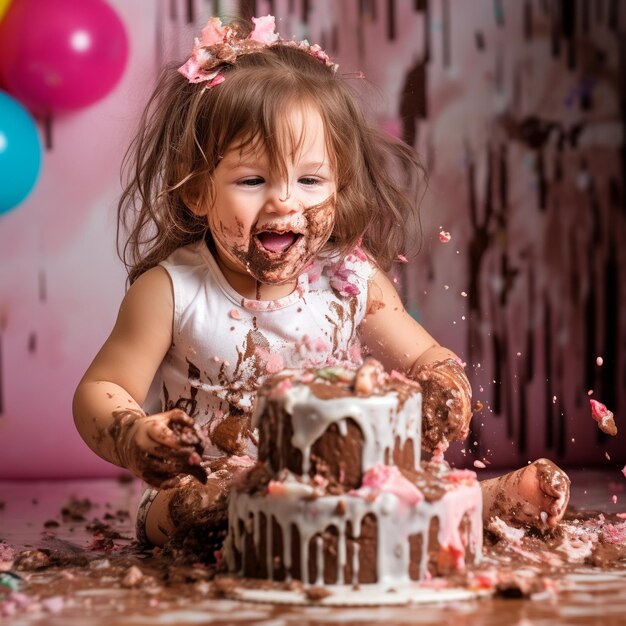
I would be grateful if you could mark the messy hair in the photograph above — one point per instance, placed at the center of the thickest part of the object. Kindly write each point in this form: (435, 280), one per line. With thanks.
(185, 129)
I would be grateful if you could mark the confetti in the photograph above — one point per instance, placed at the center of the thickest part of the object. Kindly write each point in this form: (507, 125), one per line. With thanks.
(444, 236)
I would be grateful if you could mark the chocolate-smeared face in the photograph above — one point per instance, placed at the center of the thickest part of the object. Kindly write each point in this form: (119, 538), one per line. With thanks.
(268, 225)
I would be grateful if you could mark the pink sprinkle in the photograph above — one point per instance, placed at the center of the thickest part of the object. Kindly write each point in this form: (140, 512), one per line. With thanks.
(614, 499)
(444, 236)
(599, 361)
(590, 392)
(402, 258)
(479, 464)
(235, 314)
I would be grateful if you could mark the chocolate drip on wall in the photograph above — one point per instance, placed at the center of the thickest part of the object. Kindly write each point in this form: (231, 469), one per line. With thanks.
(529, 355)
(427, 31)
(445, 33)
(568, 26)
(190, 12)
(497, 356)
(528, 20)
(560, 420)
(611, 328)
(542, 183)
(479, 243)
(592, 296)
(547, 359)
(599, 10)
(522, 411)
(391, 20)
(47, 123)
(585, 17)
(613, 16)
(555, 29)
(413, 103)
(43, 286)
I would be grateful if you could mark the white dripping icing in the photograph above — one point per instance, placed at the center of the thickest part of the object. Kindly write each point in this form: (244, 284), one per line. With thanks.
(396, 523)
(311, 416)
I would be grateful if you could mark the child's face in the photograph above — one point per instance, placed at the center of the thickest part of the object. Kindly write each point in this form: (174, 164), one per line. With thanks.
(264, 225)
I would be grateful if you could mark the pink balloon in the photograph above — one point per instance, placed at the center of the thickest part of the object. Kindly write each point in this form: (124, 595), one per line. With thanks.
(61, 54)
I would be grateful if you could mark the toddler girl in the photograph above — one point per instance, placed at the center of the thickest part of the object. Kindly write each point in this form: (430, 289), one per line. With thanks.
(263, 211)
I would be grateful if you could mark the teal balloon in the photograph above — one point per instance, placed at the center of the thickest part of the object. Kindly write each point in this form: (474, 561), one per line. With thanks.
(20, 153)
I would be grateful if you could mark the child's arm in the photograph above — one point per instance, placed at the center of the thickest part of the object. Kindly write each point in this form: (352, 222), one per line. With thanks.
(107, 403)
(393, 337)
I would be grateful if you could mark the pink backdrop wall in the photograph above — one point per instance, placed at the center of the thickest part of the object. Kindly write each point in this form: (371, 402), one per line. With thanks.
(515, 109)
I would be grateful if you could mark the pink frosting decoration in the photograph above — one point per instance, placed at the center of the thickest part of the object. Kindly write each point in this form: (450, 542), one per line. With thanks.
(388, 479)
(214, 32)
(343, 278)
(220, 45)
(461, 476)
(264, 30)
(599, 410)
(614, 533)
(273, 362)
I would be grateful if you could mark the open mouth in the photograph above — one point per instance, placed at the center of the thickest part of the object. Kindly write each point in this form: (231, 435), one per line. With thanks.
(277, 242)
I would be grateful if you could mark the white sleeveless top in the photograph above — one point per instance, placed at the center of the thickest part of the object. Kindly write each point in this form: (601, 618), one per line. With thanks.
(223, 344)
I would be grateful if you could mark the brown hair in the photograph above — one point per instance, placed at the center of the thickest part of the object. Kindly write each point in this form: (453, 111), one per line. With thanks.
(185, 128)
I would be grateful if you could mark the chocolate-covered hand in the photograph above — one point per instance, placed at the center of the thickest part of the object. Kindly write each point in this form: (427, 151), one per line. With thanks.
(159, 448)
(446, 403)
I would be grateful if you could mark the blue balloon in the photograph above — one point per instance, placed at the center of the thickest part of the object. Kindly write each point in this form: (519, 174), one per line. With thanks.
(20, 153)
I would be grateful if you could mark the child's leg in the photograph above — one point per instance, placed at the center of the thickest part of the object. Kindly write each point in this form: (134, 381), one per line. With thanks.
(535, 495)
(158, 523)
(190, 504)
(193, 505)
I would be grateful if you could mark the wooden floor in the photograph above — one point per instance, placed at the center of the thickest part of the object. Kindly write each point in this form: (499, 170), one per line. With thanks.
(88, 525)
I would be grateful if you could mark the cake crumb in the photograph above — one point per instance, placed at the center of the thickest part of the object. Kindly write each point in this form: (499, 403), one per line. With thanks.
(315, 594)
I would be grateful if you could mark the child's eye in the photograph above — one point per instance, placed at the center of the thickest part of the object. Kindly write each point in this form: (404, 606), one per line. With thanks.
(251, 182)
(309, 180)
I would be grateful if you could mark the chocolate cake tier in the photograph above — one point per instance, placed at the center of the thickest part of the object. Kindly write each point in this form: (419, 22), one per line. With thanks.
(336, 422)
(400, 525)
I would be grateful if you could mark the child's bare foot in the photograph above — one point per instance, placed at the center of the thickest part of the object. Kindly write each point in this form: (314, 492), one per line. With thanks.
(535, 495)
